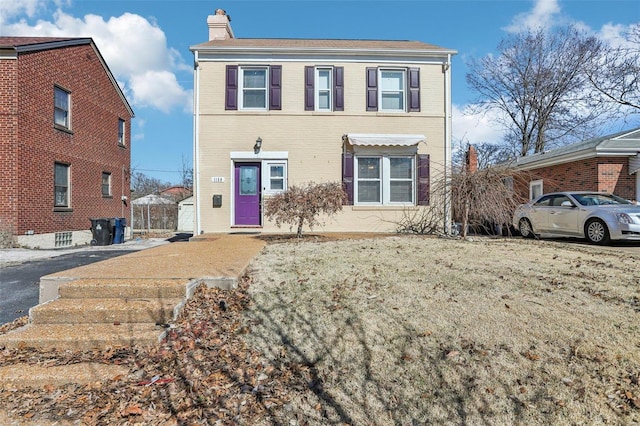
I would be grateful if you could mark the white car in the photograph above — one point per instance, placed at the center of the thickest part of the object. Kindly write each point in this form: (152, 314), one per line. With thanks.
(599, 217)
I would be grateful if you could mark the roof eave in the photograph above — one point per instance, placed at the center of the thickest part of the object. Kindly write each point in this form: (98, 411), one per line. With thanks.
(321, 50)
(576, 156)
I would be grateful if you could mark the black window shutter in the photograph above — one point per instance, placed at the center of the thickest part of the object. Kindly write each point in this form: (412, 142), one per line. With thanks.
(275, 87)
(372, 89)
(347, 176)
(338, 89)
(309, 77)
(414, 89)
(231, 92)
(423, 179)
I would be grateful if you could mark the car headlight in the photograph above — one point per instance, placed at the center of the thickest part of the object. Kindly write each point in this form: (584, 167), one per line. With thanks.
(624, 218)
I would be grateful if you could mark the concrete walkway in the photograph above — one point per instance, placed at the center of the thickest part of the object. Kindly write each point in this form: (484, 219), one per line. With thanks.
(216, 259)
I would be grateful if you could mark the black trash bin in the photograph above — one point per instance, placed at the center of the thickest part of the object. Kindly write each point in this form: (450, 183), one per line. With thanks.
(118, 230)
(102, 233)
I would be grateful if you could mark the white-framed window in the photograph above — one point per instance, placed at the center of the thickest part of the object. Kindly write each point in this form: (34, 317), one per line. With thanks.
(61, 185)
(62, 108)
(392, 96)
(121, 139)
(535, 189)
(106, 184)
(323, 89)
(384, 180)
(253, 88)
(274, 176)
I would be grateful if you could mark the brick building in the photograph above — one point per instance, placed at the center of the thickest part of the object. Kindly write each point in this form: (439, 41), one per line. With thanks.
(65, 130)
(606, 164)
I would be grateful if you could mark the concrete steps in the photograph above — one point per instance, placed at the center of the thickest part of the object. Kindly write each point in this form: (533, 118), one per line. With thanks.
(109, 288)
(101, 311)
(82, 337)
(94, 314)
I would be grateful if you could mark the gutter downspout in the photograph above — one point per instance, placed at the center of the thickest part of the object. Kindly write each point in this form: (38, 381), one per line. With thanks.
(196, 139)
(447, 146)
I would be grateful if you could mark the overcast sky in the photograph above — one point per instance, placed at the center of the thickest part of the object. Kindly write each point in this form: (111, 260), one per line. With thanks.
(146, 45)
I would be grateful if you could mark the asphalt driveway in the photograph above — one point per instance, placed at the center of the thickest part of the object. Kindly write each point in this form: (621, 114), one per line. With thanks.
(19, 284)
(21, 270)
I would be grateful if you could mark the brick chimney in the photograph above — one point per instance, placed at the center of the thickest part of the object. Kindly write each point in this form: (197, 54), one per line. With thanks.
(472, 159)
(219, 26)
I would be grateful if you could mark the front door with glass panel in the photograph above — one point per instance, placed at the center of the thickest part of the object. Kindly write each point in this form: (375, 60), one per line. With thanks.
(247, 194)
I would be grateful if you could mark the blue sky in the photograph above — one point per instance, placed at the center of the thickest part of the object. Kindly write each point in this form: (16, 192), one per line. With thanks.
(146, 44)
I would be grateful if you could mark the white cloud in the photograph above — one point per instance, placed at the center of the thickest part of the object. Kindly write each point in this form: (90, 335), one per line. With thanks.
(543, 15)
(145, 90)
(134, 48)
(475, 128)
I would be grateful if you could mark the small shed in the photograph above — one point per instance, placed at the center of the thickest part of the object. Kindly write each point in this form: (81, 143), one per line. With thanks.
(185, 215)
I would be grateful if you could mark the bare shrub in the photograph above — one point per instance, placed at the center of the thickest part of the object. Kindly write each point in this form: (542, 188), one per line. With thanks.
(485, 197)
(304, 204)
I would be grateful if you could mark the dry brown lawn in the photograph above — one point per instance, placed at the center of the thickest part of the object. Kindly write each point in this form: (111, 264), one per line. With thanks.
(394, 330)
(410, 330)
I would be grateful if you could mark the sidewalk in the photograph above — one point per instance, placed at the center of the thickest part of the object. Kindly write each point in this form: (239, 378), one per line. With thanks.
(14, 256)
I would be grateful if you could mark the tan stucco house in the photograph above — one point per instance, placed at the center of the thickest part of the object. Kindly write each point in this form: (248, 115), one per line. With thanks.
(271, 113)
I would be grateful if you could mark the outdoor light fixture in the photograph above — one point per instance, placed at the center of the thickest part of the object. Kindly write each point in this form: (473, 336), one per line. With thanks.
(258, 145)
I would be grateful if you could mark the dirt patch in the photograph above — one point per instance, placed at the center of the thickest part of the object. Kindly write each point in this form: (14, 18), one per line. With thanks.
(411, 330)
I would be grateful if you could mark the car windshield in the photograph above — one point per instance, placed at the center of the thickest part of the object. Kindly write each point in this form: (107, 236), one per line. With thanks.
(596, 199)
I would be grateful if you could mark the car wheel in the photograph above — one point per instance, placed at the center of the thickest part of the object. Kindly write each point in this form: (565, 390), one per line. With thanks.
(525, 228)
(596, 232)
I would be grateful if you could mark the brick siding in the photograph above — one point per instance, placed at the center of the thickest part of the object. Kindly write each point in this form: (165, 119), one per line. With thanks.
(610, 174)
(30, 145)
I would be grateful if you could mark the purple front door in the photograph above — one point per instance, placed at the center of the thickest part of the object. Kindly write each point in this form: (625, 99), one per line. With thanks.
(247, 194)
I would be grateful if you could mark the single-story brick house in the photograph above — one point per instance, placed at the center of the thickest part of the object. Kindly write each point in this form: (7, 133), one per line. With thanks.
(607, 164)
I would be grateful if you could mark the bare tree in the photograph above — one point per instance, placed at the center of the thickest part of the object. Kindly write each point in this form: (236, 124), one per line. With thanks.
(538, 84)
(187, 174)
(489, 154)
(142, 185)
(615, 74)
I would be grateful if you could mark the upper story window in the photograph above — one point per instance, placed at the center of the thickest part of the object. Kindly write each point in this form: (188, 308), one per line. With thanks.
(106, 184)
(324, 88)
(62, 108)
(61, 185)
(254, 88)
(121, 140)
(393, 89)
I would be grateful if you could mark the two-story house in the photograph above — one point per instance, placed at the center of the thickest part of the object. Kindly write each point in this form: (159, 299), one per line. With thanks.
(64, 141)
(271, 113)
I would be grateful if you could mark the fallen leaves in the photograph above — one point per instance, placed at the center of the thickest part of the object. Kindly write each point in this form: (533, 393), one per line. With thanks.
(202, 370)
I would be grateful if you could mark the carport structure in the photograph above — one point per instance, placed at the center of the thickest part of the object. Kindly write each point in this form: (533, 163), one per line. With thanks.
(161, 213)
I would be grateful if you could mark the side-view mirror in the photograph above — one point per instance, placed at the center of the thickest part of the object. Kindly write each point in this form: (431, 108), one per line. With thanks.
(567, 204)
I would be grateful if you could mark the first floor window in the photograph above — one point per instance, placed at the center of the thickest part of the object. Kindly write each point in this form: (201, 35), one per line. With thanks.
(274, 176)
(535, 189)
(385, 180)
(106, 184)
(120, 132)
(62, 104)
(61, 185)
(253, 88)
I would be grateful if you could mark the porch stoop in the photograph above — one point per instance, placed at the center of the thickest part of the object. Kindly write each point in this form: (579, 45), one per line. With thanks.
(101, 313)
